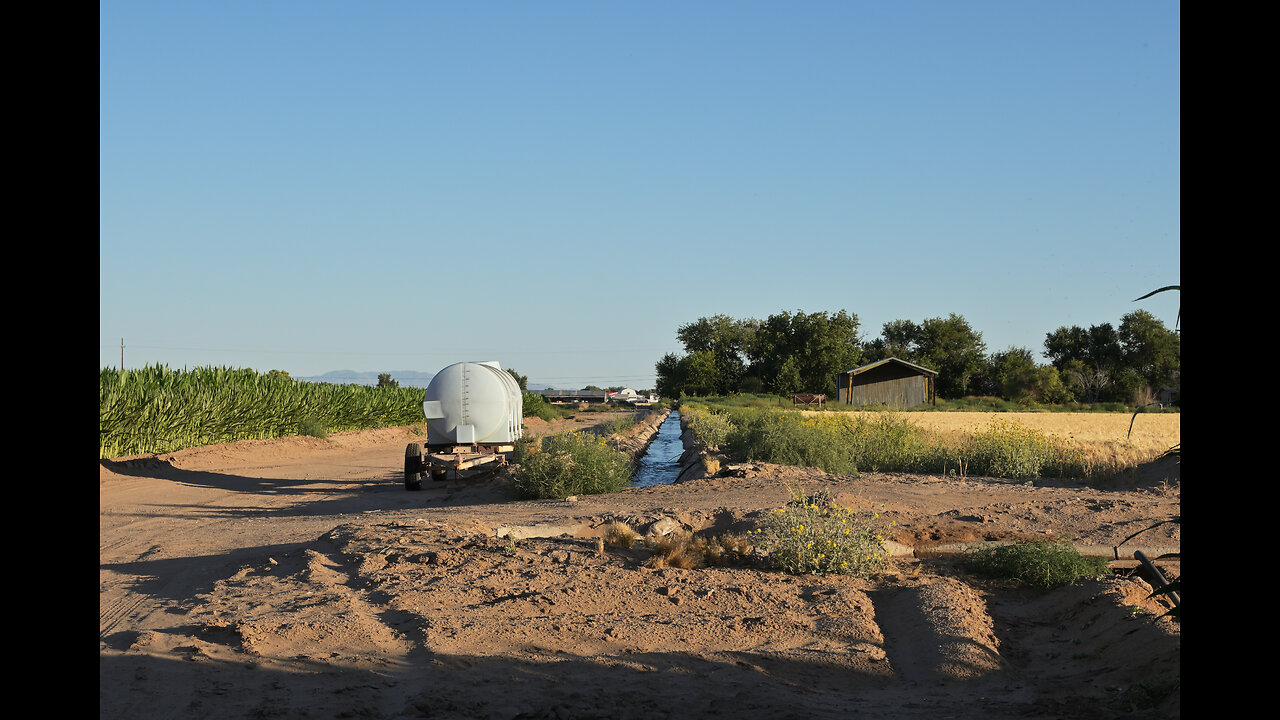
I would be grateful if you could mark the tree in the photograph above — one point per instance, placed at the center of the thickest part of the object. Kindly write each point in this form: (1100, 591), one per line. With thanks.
(1014, 374)
(692, 374)
(701, 376)
(898, 338)
(670, 373)
(804, 351)
(384, 380)
(1150, 349)
(727, 340)
(1085, 382)
(948, 345)
(783, 354)
(1049, 386)
(1097, 347)
(788, 381)
(521, 380)
(1109, 364)
(953, 348)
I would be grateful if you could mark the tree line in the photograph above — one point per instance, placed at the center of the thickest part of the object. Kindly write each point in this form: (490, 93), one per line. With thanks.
(804, 352)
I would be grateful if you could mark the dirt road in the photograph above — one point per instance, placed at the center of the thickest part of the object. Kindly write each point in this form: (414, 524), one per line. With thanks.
(297, 578)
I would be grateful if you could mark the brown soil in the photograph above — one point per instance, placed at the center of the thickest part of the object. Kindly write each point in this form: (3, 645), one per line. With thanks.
(297, 578)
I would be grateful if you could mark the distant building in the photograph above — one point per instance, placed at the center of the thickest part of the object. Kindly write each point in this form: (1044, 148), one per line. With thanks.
(625, 395)
(890, 382)
(574, 396)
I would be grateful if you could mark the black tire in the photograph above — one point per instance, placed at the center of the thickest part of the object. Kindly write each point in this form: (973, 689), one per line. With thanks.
(413, 466)
(439, 474)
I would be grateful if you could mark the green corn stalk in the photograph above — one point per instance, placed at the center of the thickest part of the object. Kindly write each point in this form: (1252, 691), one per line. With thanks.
(156, 409)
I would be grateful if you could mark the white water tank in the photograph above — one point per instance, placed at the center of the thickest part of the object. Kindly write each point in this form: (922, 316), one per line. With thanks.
(473, 402)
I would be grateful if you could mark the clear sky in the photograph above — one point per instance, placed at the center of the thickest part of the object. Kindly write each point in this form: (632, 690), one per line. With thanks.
(560, 185)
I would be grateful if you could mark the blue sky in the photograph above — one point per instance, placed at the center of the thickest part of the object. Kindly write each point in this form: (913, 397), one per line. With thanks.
(560, 185)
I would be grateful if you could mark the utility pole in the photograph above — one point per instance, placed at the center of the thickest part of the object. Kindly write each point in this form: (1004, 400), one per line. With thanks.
(121, 354)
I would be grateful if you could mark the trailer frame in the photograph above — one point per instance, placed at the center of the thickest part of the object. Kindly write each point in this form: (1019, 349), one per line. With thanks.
(437, 459)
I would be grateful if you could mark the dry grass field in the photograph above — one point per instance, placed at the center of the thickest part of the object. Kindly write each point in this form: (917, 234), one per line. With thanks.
(1102, 438)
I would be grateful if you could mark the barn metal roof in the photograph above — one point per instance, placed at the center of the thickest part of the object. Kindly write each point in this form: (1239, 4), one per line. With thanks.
(878, 363)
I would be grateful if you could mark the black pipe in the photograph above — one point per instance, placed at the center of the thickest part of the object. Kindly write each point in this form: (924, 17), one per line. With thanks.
(1155, 572)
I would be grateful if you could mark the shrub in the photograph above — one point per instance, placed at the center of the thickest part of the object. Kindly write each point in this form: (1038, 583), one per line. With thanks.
(570, 464)
(313, 428)
(1042, 565)
(889, 442)
(816, 535)
(620, 534)
(1008, 450)
(687, 551)
(710, 429)
(884, 441)
(722, 549)
(619, 425)
(534, 405)
(675, 550)
(788, 438)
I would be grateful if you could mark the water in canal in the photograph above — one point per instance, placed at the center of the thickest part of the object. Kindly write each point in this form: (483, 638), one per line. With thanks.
(661, 462)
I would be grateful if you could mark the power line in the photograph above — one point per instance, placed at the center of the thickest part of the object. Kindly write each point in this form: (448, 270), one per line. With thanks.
(454, 352)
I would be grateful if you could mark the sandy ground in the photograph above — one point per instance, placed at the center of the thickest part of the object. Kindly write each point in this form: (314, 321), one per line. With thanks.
(297, 578)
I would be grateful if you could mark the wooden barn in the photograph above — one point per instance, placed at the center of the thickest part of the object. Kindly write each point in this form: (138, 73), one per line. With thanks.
(891, 382)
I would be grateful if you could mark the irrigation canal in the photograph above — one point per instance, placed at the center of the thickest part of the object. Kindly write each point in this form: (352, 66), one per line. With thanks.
(660, 464)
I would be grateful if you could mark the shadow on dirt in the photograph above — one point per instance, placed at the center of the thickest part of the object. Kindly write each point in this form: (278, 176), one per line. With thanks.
(180, 580)
(386, 492)
(198, 680)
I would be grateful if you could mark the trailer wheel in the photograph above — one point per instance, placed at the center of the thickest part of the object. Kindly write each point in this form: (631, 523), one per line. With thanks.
(438, 473)
(413, 466)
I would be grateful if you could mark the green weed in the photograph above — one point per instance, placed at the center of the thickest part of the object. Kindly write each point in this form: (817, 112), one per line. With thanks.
(618, 425)
(312, 427)
(1042, 565)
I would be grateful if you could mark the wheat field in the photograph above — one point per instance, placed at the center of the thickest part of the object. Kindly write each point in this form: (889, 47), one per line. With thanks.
(1103, 438)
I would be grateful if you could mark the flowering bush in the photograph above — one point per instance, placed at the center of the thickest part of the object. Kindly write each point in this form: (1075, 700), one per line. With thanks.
(711, 429)
(814, 534)
(1008, 450)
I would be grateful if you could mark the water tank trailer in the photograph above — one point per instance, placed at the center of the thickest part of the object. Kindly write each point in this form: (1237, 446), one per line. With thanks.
(474, 413)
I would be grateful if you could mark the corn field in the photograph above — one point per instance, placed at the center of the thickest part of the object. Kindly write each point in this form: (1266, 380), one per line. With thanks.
(156, 409)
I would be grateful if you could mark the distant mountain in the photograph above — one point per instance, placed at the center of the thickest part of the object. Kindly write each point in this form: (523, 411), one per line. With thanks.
(406, 378)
